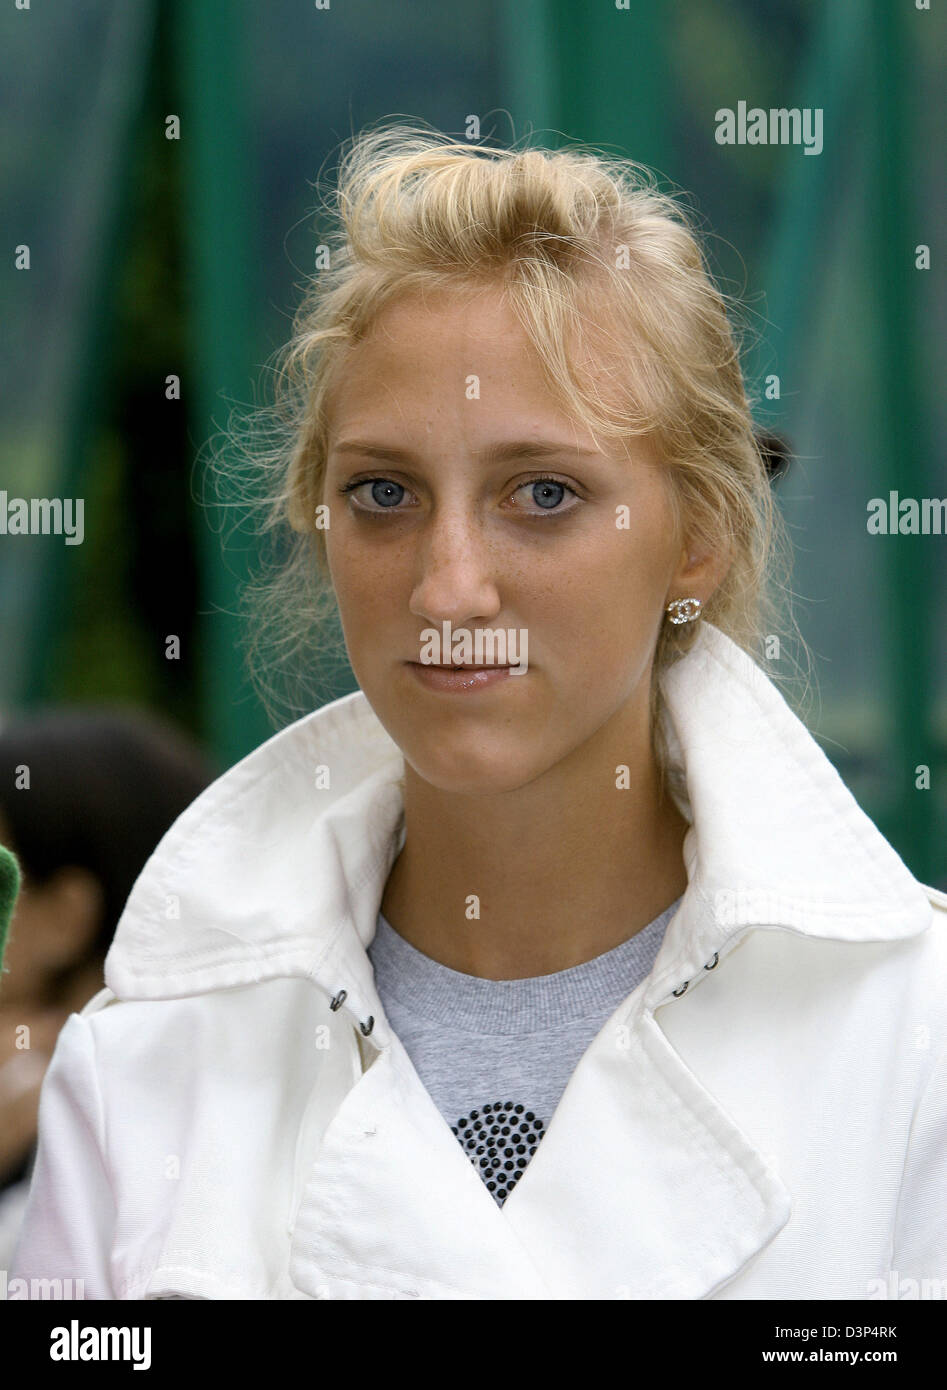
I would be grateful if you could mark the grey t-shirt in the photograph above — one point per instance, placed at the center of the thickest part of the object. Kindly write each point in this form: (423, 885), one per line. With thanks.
(496, 1055)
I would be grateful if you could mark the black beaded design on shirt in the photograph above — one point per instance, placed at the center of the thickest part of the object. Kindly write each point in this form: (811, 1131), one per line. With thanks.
(500, 1140)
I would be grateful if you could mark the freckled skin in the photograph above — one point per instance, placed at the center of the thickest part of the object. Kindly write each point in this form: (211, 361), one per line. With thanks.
(468, 543)
(590, 596)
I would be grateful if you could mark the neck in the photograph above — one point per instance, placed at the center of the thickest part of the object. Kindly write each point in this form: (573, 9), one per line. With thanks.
(559, 871)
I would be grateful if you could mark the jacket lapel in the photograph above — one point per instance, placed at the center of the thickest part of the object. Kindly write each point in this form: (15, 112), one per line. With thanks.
(393, 1208)
(642, 1188)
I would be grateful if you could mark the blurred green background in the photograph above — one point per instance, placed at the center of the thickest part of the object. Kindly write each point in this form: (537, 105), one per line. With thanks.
(153, 257)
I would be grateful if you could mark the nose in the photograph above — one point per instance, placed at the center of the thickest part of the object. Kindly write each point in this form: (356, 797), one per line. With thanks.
(455, 581)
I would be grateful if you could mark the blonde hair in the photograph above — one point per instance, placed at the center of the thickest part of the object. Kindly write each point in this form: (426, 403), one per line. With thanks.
(589, 253)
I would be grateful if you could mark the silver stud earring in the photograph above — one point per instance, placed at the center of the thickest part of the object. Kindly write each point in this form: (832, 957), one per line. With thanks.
(684, 610)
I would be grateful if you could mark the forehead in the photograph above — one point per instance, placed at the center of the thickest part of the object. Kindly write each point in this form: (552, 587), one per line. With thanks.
(467, 325)
(461, 345)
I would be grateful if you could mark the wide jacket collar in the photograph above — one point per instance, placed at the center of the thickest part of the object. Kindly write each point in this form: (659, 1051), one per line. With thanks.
(644, 1185)
(279, 867)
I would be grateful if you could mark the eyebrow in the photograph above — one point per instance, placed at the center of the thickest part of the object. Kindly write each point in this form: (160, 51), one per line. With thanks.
(493, 453)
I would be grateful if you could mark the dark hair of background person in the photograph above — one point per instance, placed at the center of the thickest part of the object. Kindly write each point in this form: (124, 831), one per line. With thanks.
(776, 453)
(105, 785)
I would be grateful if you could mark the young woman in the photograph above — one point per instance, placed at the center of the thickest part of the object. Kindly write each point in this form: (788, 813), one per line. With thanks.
(556, 961)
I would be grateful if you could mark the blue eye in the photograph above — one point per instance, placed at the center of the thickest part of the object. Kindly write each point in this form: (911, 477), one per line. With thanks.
(386, 493)
(548, 494)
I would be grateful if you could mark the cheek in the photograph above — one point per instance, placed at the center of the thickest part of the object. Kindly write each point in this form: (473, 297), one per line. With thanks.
(356, 568)
(371, 583)
(601, 625)
(612, 585)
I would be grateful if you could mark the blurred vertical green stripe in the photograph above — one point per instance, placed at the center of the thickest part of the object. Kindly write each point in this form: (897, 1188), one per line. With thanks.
(527, 72)
(904, 444)
(832, 80)
(614, 79)
(222, 256)
(107, 169)
(594, 73)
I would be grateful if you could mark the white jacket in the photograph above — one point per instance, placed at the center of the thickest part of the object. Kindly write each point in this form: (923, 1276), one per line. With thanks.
(764, 1117)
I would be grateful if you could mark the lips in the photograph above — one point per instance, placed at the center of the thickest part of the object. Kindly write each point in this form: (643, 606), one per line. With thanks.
(457, 679)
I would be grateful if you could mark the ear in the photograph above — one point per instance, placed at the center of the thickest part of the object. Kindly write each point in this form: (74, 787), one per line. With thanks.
(74, 901)
(700, 571)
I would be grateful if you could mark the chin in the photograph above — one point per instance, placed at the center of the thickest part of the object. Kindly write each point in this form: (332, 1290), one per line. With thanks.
(470, 772)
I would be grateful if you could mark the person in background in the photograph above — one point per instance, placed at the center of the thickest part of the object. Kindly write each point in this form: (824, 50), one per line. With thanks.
(85, 796)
